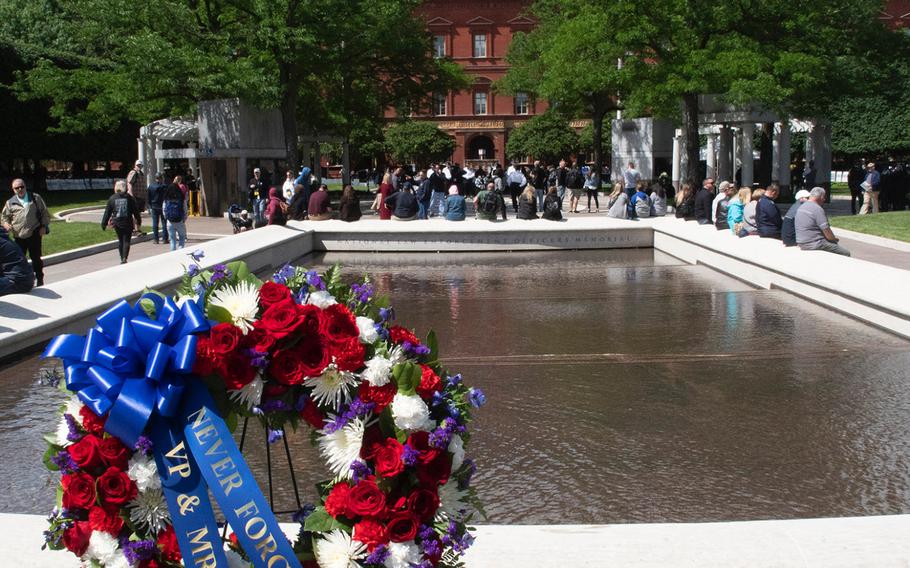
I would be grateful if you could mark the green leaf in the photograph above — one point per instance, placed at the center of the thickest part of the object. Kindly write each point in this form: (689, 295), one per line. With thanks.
(407, 377)
(433, 344)
(50, 453)
(218, 314)
(148, 306)
(239, 269)
(320, 521)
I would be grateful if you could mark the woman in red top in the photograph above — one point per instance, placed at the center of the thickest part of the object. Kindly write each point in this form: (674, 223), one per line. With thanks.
(385, 189)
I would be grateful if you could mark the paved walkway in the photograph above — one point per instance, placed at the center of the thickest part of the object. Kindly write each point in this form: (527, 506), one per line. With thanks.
(200, 229)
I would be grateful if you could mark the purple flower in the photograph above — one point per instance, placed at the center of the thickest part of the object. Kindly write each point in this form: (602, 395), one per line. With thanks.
(283, 274)
(465, 542)
(73, 434)
(313, 279)
(476, 397)
(410, 455)
(144, 445)
(301, 515)
(426, 532)
(454, 380)
(65, 462)
(197, 254)
(301, 296)
(301, 403)
(137, 551)
(421, 349)
(258, 359)
(257, 411)
(275, 435)
(387, 314)
(276, 405)
(363, 292)
(440, 437)
(360, 469)
(378, 556)
(220, 272)
(192, 270)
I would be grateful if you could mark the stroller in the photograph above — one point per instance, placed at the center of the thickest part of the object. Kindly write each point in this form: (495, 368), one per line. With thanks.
(239, 218)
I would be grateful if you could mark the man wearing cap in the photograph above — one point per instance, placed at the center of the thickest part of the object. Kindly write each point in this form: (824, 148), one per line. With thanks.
(813, 232)
(721, 196)
(156, 205)
(26, 218)
(259, 196)
(136, 186)
(788, 228)
(871, 185)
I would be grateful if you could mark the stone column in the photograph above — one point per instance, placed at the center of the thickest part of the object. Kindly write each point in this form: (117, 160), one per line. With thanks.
(737, 150)
(194, 160)
(810, 143)
(783, 163)
(724, 162)
(822, 142)
(747, 159)
(140, 149)
(152, 164)
(677, 158)
(775, 154)
(159, 162)
(711, 156)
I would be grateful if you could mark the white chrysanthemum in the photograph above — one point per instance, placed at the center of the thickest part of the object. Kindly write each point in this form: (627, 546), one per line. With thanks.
(102, 547)
(411, 413)
(321, 299)
(118, 561)
(73, 408)
(332, 387)
(456, 448)
(241, 301)
(144, 472)
(251, 393)
(379, 369)
(337, 550)
(403, 555)
(149, 511)
(342, 447)
(451, 500)
(63, 430)
(367, 327)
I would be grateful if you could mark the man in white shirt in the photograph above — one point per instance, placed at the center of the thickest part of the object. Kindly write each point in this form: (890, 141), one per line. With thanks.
(630, 178)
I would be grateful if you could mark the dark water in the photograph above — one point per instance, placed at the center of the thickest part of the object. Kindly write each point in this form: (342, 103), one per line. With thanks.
(623, 386)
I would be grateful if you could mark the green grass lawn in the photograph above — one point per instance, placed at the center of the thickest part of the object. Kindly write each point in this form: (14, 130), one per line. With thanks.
(68, 236)
(838, 188)
(60, 200)
(893, 225)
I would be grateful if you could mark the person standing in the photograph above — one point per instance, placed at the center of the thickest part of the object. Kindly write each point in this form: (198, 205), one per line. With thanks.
(854, 178)
(871, 187)
(120, 212)
(26, 218)
(809, 175)
(630, 177)
(136, 186)
(287, 188)
(539, 181)
(591, 182)
(813, 232)
(516, 183)
(174, 204)
(561, 173)
(156, 204)
(575, 182)
(258, 196)
(437, 207)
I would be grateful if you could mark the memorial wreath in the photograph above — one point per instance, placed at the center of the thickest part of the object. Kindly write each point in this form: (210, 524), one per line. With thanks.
(160, 385)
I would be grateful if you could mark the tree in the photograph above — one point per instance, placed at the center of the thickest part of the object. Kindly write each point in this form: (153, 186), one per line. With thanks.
(547, 137)
(421, 143)
(586, 141)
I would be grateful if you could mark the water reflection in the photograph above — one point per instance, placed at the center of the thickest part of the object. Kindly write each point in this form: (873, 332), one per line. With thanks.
(623, 386)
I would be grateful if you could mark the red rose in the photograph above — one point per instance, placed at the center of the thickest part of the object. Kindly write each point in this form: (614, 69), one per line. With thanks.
(85, 452)
(281, 319)
(373, 439)
(114, 453)
(366, 499)
(310, 320)
(313, 415)
(429, 383)
(336, 503)
(420, 441)
(78, 490)
(314, 357)
(149, 563)
(204, 363)
(91, 422)
(423, 503)
(402, 526)
(338, 324)
(435, 472)
(259, 339)
(225, 338)
(286, 367)
(399, 334)
(76, 538)
(371, 533)
(167, 542)
(272, 293)
(349, 355)
(380, 396)
(235, 370)
(102, 520)
(115, 488)
(388, 458)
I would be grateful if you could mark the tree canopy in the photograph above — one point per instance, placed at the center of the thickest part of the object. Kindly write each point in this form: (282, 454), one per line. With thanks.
(421, 143)
(546, 136)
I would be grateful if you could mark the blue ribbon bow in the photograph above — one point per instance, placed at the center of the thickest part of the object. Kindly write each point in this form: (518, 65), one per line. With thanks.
(130, 365)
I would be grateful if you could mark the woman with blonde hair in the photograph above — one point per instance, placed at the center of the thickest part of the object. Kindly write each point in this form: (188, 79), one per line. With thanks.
(618, 202)
(120, 212)
(685, 202)
(527, 203)
(735, 209)
(385, 190)
(749, 225)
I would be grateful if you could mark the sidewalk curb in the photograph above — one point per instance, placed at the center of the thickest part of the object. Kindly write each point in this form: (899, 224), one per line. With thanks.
(68, 255)
(874, 240)
(61, 215)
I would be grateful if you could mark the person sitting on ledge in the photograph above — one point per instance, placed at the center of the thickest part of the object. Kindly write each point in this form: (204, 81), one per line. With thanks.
(318, 208)
(403, 203)
(703, 200)
(767, 215)
(489, 202)
(658, 200)
(349, 208)
(788, 229)
(455, 205)
(813, 232)
(527, 203)
(750, 228)
(640, 206)
(722, 206)
(618, 202)
(16, 274)
(551, 209)
(735, 209)
(685, 203)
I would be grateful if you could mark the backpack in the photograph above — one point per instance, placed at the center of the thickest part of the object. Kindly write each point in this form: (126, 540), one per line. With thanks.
(573, 179)
(643, 207)
(553, 177)
(551, 205)
(121, 209)
(173, 210)
(489, 204)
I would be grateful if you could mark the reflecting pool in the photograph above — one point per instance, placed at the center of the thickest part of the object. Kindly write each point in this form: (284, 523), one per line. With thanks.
(622, 386)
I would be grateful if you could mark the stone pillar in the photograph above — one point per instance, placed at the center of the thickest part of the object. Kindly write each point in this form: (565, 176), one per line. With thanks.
(810, 143)
(747, 159)
(194, 160)
(711, 155)
(822, 142)
(152, 164)
(783, 163)
(775, 154)
(140, 150)
(725, 151)
(677, 159)
(737, 150)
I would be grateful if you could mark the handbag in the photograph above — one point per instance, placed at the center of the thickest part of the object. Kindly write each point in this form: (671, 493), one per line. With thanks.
(866, 186)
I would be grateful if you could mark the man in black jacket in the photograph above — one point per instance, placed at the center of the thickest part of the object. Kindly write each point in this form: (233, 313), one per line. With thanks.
(703, 200)
(767, 215)
(156, 203)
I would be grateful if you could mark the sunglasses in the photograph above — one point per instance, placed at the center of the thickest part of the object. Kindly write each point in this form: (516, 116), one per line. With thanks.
(19, 187)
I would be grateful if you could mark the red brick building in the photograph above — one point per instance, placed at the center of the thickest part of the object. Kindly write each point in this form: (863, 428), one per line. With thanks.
(896, 14)
(476, 34)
